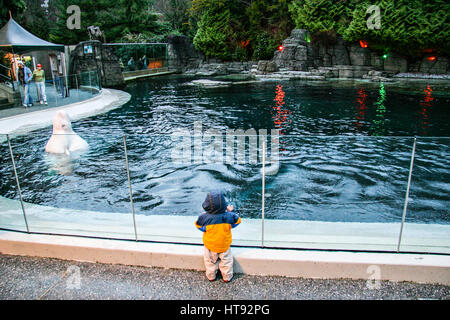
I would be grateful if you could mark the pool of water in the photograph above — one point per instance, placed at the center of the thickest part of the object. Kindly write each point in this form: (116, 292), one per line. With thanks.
(345, 150)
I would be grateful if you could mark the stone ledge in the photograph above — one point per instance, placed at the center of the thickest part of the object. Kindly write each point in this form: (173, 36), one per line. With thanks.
(290, 263)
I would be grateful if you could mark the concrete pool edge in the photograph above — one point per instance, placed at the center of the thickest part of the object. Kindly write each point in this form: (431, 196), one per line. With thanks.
(419, 268)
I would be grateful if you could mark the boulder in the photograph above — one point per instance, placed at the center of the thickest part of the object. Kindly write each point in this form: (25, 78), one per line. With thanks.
(359, 56)
(437, 66)
(376, 61)
(262, 65)
(271, 67)
(395, 63)
(265, 66)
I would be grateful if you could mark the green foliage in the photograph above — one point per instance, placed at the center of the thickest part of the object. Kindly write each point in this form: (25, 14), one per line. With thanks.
(264, 48)
(321, 15)
(16, 7)
(115, 18)
(243, 29)
(35, 18)
(407, 26)
(240, 54)
(175, 13)
(252, 28)
(213, 34)
(270, 23)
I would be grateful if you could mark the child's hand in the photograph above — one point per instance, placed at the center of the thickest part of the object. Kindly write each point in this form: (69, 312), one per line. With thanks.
(230, 208)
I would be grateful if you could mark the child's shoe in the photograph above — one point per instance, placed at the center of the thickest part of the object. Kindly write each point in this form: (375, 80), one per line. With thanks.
(227, 281)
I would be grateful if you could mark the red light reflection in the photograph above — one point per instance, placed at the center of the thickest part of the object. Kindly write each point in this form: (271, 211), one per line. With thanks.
(425, 104)
(280, 118)
(361, 108)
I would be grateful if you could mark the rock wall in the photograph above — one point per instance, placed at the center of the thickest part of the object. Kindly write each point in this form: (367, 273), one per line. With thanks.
(102, 59)
(349, 60)
(181, 54)
(304, 59)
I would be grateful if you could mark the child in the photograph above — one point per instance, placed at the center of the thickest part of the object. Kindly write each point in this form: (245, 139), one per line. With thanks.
(216, 223)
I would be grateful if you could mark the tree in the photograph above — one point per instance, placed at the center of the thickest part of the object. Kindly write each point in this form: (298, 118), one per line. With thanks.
(35, 19)
(269, 23)
(117, 19)
(15, 6)
(321, 15)
(407, 26)
(214, 32)
(176, 13)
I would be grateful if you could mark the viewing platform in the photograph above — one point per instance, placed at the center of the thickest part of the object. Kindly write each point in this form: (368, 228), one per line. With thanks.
(142, 74)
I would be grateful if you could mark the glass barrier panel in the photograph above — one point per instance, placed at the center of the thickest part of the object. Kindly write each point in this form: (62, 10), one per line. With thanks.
(84, 83)
(427, 222)
(81, 93)
(77, 191)
(140, 58)
(11, 213)
(337, 193)
(95, 83)
(171, 176)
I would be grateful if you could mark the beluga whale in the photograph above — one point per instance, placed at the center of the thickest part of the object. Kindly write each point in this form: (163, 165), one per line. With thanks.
(64, 140)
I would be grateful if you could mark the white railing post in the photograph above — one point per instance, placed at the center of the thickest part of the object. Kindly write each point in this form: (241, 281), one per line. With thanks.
(17, 182)
(405, 206)
(263, 190)
(129, 184)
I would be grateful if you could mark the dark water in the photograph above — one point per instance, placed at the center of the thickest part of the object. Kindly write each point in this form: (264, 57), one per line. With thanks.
(345, 152)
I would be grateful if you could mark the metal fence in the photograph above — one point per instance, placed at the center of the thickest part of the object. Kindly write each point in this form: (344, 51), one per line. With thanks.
(265, 179)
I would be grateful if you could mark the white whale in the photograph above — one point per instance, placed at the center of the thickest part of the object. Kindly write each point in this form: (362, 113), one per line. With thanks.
(64, 140)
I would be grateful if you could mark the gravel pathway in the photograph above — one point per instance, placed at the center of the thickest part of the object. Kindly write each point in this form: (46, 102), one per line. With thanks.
(43, 278)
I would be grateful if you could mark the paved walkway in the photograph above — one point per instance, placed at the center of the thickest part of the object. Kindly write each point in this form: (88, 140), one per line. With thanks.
(44, 278)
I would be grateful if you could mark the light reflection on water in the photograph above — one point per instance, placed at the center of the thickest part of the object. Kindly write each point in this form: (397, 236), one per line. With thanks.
(358, 175)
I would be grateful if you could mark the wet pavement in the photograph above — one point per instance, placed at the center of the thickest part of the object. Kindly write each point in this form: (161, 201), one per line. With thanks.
(30, 278)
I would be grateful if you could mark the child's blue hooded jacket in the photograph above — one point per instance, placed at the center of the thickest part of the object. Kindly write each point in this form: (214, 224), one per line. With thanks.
(216, 222)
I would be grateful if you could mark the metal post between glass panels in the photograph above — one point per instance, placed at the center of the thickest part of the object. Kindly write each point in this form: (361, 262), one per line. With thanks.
(56, 92)
(98, 82)
(129, 184)
(18, 184)
(76, 84)
(263, 190)
(89, 75)
(405, 206)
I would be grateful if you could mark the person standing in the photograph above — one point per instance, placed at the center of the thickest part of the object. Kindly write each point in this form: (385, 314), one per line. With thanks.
(131, 64)
(25, 76)
(216, 223)
(39, 78)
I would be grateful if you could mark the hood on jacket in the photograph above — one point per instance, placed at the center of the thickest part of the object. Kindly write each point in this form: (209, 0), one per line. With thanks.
(215, 202)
